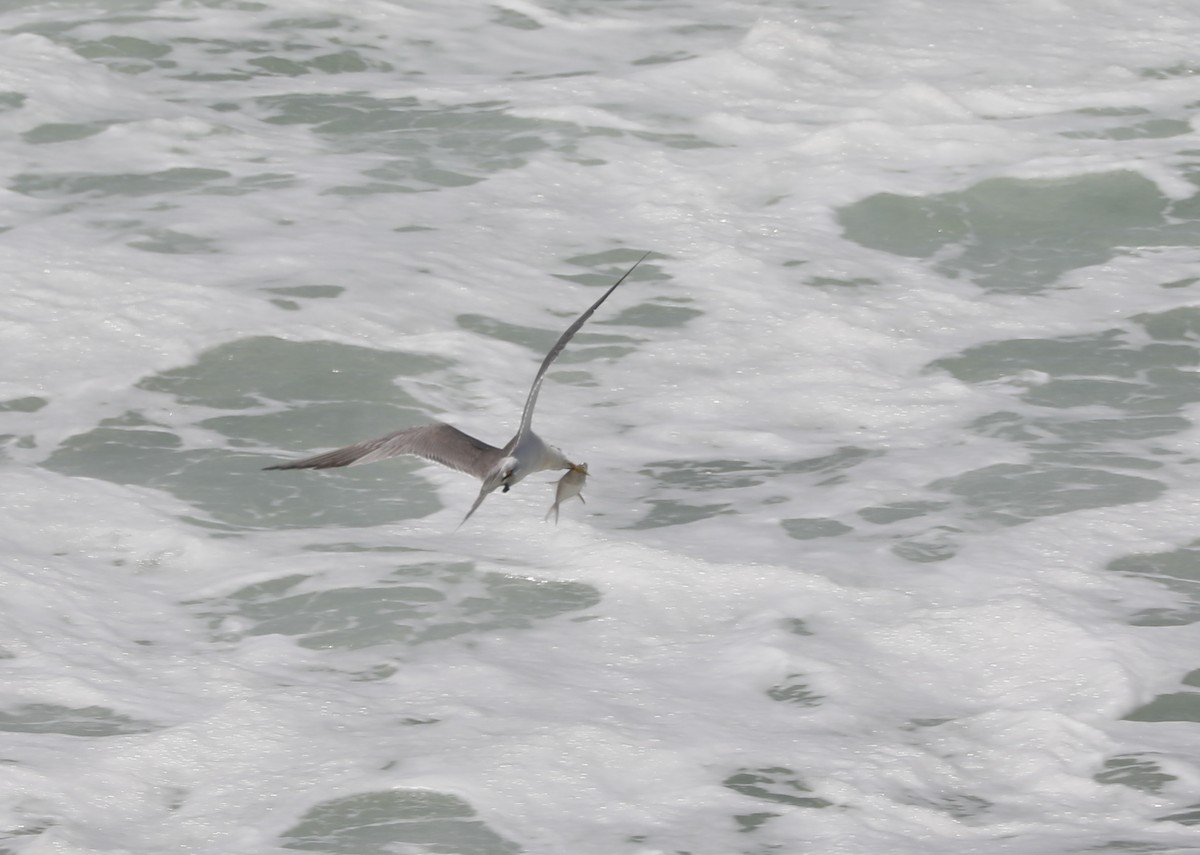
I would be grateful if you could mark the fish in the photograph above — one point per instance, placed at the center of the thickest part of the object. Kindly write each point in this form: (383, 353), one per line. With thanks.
(569, 486)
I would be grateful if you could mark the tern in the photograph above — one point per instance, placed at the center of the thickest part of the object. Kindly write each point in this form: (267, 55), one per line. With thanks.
(497, 468)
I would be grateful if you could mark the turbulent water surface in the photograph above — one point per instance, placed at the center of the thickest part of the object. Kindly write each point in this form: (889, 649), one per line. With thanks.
(892, 539)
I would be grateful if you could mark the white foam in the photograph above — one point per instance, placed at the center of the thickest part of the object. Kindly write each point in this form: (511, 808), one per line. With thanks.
(778, 603)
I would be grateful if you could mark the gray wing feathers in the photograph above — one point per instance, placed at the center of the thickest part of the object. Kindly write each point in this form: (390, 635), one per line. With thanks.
(438, 442)
(563, 340)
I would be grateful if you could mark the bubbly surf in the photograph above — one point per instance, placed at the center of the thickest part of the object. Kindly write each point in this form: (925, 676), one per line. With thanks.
(890, 542)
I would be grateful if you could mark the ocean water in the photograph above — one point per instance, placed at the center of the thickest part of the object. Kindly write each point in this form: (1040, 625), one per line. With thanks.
(892, 540)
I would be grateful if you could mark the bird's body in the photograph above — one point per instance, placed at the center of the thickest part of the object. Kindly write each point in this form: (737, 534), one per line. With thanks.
(497, 468)
(528, 454)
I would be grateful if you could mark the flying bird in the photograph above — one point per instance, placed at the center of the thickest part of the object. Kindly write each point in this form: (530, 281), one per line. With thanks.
(497, 468)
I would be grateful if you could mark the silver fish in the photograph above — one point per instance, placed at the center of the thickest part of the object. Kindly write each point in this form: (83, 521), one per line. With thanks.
(569, 486)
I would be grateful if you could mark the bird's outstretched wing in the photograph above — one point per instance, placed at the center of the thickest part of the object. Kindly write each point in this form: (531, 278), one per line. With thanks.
(531, 401)
(438, 442)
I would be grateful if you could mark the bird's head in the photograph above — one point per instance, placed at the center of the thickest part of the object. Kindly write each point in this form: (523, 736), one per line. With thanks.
(501, 476)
